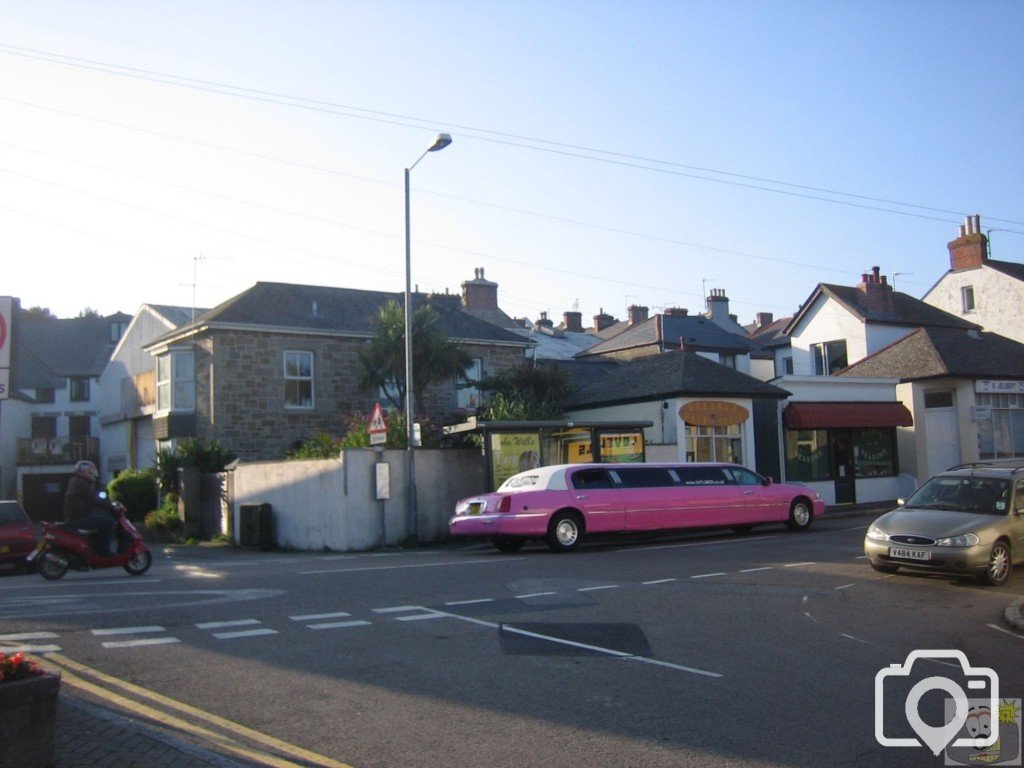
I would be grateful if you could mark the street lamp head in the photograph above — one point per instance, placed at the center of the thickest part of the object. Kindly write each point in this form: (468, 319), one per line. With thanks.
(442, 141)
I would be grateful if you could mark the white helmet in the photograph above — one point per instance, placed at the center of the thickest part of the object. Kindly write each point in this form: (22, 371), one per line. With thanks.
(87, 469)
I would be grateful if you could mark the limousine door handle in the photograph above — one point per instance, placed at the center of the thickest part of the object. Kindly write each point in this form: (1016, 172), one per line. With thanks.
(583, 496)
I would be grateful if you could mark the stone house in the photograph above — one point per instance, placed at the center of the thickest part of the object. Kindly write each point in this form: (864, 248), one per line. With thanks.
(278, 363)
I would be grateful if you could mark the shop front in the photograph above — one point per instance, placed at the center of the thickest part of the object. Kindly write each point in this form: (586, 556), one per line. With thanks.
(846, 451)
(515, 446)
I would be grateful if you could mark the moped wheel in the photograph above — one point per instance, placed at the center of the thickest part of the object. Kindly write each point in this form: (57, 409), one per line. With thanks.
(52, 566)
(139, 563)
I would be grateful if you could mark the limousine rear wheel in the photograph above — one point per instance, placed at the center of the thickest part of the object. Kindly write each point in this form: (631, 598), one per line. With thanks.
(565, 532)
(800, 516)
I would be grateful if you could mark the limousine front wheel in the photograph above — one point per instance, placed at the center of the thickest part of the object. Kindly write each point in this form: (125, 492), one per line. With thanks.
(800, 516)
(565, 532)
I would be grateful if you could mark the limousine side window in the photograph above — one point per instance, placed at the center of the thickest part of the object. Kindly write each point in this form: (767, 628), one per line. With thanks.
(743, 476)
(702, 476)
(645, 477)
(591, 478)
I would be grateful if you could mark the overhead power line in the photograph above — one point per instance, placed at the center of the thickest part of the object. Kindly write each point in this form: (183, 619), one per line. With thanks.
(638, 162)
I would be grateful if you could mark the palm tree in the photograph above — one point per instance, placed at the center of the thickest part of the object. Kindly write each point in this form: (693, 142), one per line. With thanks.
(435, 357)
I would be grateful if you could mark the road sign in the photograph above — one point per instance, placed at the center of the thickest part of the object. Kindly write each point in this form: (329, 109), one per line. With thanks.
(378, 429)
(6, 317)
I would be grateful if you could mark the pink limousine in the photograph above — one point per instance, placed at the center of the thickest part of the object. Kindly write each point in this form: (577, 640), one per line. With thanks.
(566, 502)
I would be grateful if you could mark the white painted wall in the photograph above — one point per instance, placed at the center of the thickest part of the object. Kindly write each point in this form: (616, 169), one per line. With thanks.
(998, 299)
(331, 504)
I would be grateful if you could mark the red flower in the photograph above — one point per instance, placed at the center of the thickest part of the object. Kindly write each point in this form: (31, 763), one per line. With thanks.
(17, 667)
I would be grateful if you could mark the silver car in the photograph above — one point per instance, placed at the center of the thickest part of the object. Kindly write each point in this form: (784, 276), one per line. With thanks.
(969, 520)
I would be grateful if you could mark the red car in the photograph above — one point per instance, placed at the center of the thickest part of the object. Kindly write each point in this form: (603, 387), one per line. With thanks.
(17, 535)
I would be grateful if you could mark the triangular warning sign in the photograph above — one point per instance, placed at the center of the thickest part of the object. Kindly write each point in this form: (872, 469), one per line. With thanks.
(377, 420)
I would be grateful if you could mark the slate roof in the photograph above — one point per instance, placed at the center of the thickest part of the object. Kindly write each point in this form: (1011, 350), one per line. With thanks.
(938, 352)
(670, 374)
(907, 309)
(285, 307)
(695, 331)
(63, 347)
(1011, 268)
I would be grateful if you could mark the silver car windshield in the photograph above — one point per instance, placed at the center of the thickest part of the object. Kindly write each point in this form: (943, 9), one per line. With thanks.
(983, 495)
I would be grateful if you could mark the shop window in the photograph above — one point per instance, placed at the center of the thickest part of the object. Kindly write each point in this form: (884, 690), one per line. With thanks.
(716, 443)
(807, 455)
(874, 452)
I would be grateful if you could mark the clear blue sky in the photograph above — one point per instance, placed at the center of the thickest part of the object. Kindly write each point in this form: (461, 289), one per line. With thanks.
(605, 153)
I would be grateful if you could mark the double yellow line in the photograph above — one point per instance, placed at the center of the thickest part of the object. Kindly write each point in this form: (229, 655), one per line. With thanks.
(74, 675)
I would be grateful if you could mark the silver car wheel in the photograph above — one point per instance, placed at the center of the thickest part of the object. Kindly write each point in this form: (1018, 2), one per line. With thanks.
(565, 532)
(999, 565)
(799, 516)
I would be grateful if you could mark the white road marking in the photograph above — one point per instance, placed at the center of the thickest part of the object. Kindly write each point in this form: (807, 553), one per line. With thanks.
(27, 636)
(584, 646)
(595, 589)
(856, 639)
(708, 575)
(794, 565)
(696, 544)
(398, 609)
(221, 624)
(845, 586)
(127, 631)
(755, 570)
(244, 633)
(141, 642)
(659, 581)
(1006, 631)
(534, 594)
(338, 625)
(316, 616)
(471, 602)
(495, 561)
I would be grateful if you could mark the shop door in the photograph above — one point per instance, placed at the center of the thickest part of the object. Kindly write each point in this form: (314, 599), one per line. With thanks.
(843, 470)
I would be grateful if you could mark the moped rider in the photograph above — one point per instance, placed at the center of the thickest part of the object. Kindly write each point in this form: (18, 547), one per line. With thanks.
(86, 508)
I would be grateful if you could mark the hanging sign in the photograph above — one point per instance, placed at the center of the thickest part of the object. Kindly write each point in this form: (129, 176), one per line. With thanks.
(713, 413)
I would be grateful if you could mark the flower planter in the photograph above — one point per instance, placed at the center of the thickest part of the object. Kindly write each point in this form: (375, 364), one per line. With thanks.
(28, 721)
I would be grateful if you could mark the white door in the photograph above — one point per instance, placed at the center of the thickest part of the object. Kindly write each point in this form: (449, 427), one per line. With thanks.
(943, 439)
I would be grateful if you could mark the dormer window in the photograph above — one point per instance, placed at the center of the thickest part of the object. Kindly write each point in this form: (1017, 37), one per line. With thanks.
(829, 357)
(967, 298)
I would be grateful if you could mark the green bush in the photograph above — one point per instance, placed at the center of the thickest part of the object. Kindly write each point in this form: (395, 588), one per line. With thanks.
(320, 446)
(136, 489)
(165, 519)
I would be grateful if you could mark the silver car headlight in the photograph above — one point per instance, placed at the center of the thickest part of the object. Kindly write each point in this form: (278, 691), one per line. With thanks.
(877, 534)
(963, 540)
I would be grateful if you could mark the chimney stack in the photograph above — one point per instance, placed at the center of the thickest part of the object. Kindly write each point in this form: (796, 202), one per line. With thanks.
(572, 322)
(544, 322)
(603, 320)
(970, 250)
(876, 293)
(637, 314)
(676, 312)
(765, 319)
(718, 304)
(479, 293)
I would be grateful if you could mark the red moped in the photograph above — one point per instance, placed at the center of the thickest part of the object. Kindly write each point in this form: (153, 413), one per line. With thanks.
(65, 546)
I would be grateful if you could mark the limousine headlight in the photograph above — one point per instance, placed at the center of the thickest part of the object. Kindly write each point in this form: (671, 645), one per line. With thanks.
(877, 534)
(964, 540)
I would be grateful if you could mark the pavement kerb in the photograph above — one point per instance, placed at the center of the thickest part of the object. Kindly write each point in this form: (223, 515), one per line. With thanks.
(1014, 615)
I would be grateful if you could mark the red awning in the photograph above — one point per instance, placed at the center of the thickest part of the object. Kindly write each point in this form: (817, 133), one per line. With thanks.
(833, 415)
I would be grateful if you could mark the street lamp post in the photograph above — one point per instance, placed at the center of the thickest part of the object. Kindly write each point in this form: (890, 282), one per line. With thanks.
(442, 141)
